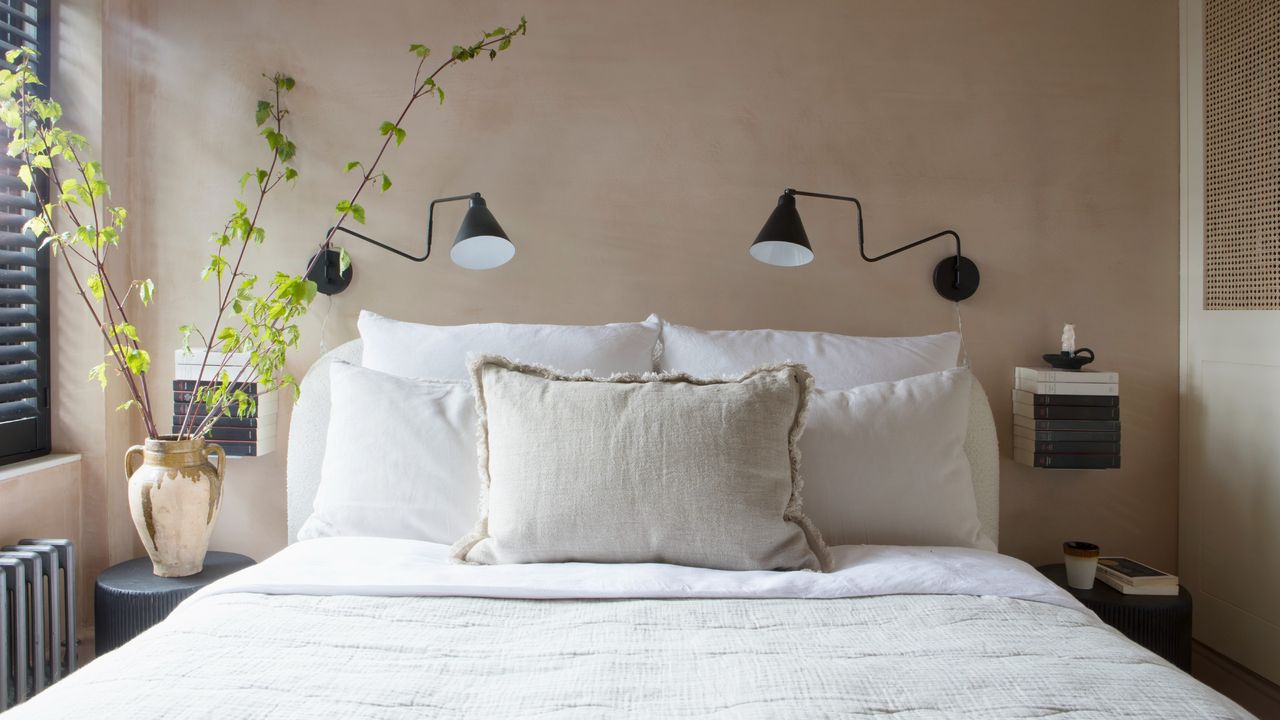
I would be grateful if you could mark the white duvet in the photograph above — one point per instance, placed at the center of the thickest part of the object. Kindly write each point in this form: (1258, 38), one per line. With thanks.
(371, 628)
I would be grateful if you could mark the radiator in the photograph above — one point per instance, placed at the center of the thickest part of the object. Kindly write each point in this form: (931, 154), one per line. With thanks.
(38, 616)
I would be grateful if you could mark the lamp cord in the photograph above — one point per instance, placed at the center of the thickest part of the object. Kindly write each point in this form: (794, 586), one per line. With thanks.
(324, 323)
(964, 348)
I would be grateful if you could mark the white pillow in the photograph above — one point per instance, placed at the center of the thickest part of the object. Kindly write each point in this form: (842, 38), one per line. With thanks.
(440, 351)
(399, 461)
(836, 361)
(884, 464)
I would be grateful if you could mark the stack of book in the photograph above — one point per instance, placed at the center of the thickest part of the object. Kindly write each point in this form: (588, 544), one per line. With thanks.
(1066, 418)
(1133, 578)
(247, 434)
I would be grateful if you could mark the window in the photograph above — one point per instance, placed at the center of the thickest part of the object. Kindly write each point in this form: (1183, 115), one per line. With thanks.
(24, 272)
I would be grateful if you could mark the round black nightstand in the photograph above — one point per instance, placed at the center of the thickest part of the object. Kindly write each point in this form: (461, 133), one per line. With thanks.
(1160, 623)
(128, 598)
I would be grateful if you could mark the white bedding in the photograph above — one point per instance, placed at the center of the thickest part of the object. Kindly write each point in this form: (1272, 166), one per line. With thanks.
(368, 628)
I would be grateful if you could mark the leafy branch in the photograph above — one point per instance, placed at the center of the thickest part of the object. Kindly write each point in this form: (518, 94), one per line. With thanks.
(492, 43)
(78, 192)
(266, 326)
(43, 147)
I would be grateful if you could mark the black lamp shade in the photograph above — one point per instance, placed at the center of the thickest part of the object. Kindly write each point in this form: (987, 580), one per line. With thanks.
(782, 241)
(481, 243)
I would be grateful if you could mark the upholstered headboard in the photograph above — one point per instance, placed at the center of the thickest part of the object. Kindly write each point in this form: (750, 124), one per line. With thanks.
(310, 424)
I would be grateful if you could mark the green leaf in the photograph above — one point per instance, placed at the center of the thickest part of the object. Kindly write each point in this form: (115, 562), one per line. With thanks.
(186, 331)
(506, 43)
(24, 174)
(493, 54)
(98, 372)
(386, 182)
(94, 282)
(386, 128)
(146, 291)
(290, 173)
(343, 206)
(440, 91)
(139, 361)
(420, 50)
(264, 112)
(37, 226)
(126, 330)
(344, 260)
(126, 404)
(357, 212)
(399, 135)
(352, 165)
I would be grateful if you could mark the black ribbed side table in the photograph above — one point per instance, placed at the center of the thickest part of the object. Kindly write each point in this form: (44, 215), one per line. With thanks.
(1159, 623)
(129, 598)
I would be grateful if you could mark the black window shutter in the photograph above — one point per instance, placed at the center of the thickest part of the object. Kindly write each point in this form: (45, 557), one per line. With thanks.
(24, 271)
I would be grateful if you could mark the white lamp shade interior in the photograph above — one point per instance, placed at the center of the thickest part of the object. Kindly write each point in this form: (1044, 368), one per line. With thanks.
(482, 252)
(782, 254)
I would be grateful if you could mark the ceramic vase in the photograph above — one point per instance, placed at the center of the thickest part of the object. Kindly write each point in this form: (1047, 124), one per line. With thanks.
(174, 497)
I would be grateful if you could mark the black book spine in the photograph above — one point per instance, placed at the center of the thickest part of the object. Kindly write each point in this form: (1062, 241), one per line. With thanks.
(190, 385)
(1067, 412)
(1077, 462)
(189, 396)
(1078, 400)
(231, 434)
(245, 449)
(233, 409)
(223, 421)
(1108, 425)
(1076, 436)
(1078, 448)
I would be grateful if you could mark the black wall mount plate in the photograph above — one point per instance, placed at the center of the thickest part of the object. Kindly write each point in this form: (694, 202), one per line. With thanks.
(944, 278)
(325, 272)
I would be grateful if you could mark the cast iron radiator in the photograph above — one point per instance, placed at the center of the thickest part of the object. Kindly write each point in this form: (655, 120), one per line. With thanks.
(37, 616)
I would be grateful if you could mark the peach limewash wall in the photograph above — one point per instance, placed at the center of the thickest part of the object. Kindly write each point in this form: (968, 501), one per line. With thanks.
(632, 150)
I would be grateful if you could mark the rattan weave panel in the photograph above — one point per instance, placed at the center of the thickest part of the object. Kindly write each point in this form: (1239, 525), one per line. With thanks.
(1242, 154)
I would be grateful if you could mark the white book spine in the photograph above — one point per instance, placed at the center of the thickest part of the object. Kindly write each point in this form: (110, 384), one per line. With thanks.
(196, 357)
(1056, 388)
(1067, 376)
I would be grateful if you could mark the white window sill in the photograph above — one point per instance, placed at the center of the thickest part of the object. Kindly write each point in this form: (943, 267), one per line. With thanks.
(34, 465)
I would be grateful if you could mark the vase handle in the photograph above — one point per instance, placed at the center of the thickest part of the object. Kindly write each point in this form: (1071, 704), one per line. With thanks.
(212, 448)
(128, 460)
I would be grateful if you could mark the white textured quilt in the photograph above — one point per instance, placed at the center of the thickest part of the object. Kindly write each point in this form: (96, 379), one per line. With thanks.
(363, 628)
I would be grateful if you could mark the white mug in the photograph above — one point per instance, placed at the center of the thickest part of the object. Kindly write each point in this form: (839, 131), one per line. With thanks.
(1082, 563)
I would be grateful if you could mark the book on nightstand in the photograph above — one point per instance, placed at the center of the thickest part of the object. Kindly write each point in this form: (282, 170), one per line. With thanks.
(1066, 419)
(1133, 578)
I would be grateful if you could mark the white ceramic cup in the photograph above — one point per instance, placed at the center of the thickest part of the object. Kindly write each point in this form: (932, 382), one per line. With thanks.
(1082, 563)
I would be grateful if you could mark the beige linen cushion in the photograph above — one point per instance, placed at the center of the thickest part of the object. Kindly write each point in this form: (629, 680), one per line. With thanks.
(641, 468)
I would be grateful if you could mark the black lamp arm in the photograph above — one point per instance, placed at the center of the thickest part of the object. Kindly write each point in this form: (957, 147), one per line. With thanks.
(861, 238)
(431, 214)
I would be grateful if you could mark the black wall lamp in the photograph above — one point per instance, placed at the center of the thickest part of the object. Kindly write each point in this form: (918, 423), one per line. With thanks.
(481, 244)
(783, 242)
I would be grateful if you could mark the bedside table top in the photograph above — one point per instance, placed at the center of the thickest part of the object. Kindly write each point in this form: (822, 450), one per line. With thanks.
(135, 576)
(1104, 594)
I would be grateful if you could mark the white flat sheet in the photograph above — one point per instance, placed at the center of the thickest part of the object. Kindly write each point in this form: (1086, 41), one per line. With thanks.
(398, 568)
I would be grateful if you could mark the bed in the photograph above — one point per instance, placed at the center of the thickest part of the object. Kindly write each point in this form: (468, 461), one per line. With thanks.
(365, 627)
